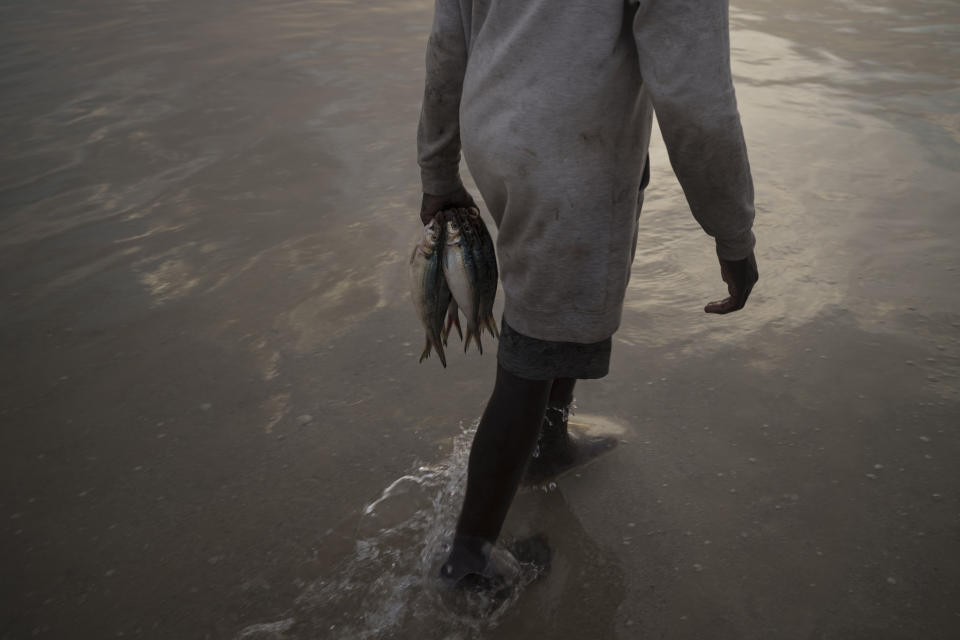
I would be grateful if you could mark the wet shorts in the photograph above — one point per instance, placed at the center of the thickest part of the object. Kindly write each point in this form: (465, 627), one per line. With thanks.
(534, 359)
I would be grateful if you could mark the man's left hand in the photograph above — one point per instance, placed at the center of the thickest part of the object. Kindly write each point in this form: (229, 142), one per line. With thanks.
(740, 276)
(432, 204)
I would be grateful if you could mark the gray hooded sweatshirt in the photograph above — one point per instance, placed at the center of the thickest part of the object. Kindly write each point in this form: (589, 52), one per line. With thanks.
(551, 102)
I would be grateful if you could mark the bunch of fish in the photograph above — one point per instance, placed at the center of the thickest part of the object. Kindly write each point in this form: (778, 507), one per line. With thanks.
(453, 269)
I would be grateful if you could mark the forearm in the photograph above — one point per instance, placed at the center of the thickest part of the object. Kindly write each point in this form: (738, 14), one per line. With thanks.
(438, 134)
(709, 157)
(685, 62)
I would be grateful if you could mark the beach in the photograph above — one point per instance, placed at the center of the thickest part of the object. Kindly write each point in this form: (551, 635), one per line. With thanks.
(214, 420)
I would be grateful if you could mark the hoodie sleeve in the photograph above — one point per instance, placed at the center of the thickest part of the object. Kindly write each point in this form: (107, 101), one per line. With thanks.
(684, 54)
(438, 135)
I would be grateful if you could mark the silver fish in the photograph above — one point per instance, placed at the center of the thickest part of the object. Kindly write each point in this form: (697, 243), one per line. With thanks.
(460, 271)
(487, 258)
(428, 288)
(470, 266)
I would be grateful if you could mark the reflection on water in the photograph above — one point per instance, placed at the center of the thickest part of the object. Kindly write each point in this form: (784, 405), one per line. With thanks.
(842, 167)
(209, 204)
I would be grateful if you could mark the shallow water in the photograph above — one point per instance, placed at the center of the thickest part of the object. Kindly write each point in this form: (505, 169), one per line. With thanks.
(205, 212)
(388, 586)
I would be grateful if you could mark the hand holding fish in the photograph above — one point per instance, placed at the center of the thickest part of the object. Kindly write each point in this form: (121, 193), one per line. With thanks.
(431, 204)
(454, 269)
(740, 276)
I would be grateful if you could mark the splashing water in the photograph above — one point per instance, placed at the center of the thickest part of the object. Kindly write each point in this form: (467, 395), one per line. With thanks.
(390, 584)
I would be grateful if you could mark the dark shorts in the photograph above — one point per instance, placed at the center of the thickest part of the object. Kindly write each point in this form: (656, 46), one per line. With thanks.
(534, 359)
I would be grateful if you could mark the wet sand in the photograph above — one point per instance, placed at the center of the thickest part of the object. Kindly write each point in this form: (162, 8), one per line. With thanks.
(211, 358)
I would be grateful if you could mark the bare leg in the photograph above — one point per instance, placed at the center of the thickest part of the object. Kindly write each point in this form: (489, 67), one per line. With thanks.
(557, 450)
(561, 393)
(501, 447)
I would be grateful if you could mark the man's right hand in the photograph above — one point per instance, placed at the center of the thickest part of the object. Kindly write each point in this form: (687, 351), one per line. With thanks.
(740, 276)
(431, 204)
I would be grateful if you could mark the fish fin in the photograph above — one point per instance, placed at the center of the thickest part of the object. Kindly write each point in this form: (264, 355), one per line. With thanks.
(471, 332)
(476, 337)
(445, 329)
(453, 320)
(440, 354)
(492, 326)
(434, 343)
(456, 322)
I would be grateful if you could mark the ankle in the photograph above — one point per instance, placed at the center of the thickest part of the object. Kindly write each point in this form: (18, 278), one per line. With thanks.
(559, 412)
(474, 545)
(468, 555)
(554, 439)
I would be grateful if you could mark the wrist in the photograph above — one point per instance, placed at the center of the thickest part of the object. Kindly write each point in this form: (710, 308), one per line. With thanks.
(441, 182)
(736, 248)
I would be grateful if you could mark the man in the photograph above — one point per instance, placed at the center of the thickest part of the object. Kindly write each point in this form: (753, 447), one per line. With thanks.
(551, 103)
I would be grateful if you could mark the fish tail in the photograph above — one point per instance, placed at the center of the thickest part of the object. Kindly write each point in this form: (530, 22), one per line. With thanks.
(473, 331)
(453, 320)
(439, 347)
(492, 326)
(426, 349)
